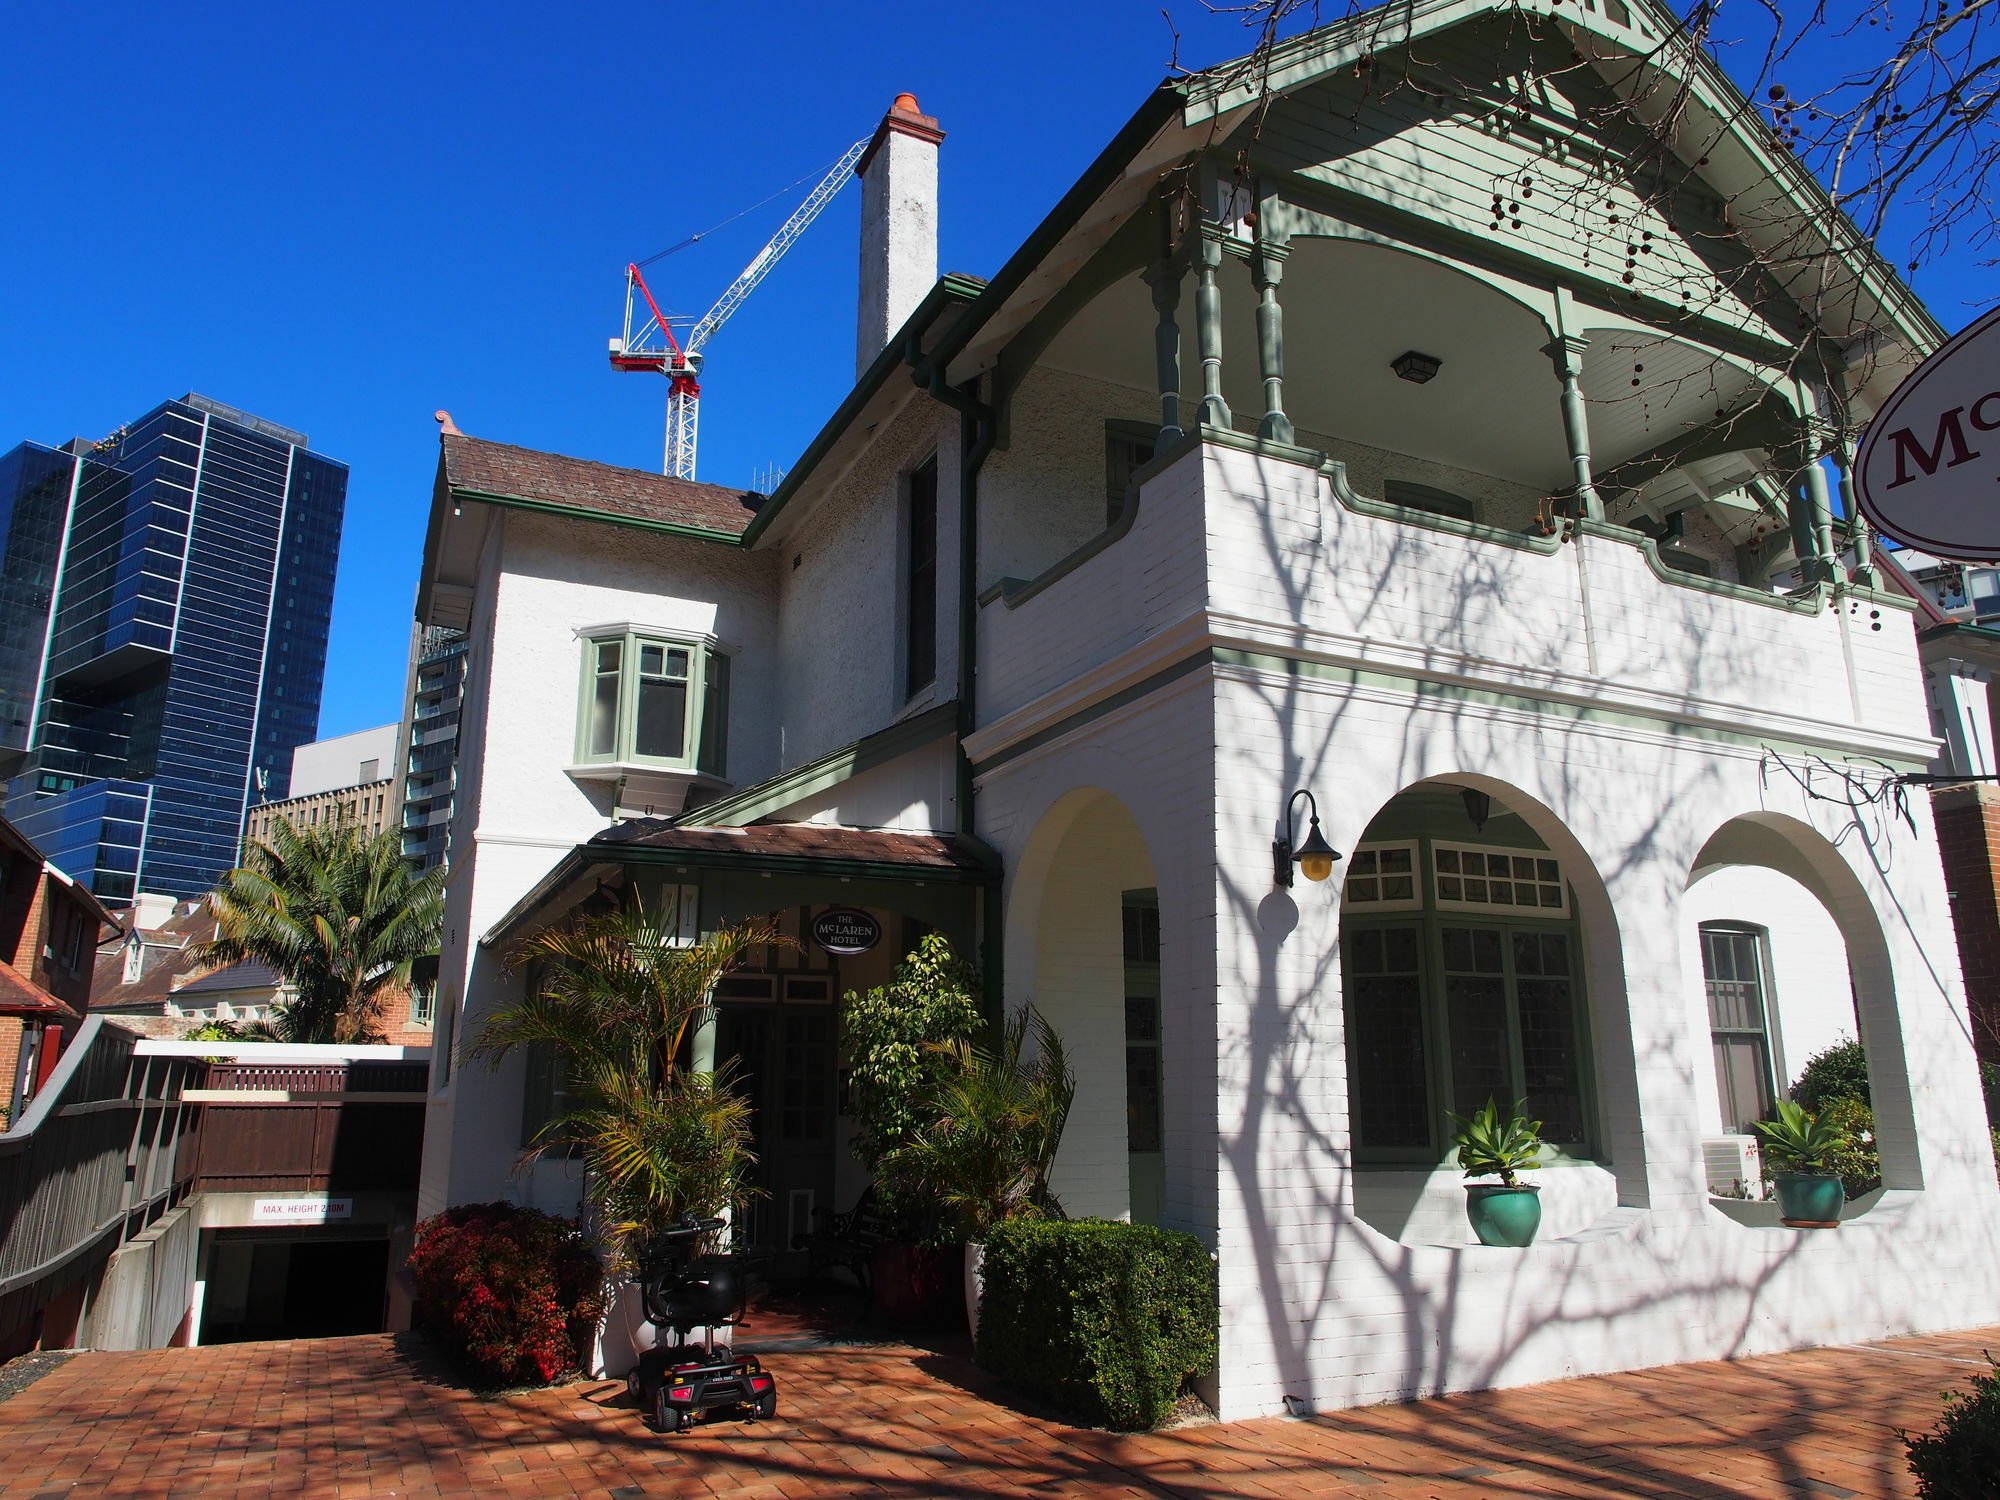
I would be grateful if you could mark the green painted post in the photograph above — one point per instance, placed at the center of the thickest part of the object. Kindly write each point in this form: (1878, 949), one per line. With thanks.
(1824, 567)
(1164, 277)
(1208, 330)
(1859, 532)
(1567, 353)
(1267, 267)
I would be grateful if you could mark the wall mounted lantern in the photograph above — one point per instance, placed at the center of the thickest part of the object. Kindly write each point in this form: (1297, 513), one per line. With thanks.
(1315, 856)
(1414, 367)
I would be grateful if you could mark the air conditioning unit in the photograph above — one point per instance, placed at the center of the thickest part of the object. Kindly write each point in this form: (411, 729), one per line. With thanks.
(1733, 1166)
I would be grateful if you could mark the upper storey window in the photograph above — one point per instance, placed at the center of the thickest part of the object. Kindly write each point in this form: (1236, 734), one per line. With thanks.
(653, 700)
(920, 595)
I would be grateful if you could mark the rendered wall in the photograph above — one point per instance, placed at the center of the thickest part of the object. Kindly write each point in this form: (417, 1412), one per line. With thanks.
(1632, 740)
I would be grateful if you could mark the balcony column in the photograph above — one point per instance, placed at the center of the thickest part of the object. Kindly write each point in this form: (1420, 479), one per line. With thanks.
(1567, 355)
(1859, 532)
(1164, 276)
(1267, 267)
(1208, 328)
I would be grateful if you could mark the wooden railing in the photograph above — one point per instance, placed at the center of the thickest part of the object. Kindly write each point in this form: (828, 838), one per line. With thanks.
(104, 1147)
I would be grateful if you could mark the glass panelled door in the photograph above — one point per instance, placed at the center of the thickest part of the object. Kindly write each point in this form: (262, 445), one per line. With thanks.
(1144, 1123)
(780, 1032)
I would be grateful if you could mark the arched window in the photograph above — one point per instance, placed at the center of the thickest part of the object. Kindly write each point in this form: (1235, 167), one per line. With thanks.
(1463, 982)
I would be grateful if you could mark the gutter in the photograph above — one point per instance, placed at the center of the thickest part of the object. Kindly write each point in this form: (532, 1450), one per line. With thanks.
(609, 517)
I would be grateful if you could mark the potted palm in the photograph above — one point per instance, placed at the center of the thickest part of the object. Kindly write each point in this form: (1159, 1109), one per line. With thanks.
(993, 1122)
(614, 999)
(1805, 1152)
(1491, 1143)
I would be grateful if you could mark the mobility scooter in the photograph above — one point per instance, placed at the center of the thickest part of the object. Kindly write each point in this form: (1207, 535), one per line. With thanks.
(679, 1383)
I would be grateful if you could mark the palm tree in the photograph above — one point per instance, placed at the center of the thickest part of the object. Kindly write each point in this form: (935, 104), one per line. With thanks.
(994, 1121)
(337, 913)
(615, 997)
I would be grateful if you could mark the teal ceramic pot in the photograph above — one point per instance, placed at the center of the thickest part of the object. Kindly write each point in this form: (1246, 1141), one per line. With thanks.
(1504, 1216)
(1809, 1200)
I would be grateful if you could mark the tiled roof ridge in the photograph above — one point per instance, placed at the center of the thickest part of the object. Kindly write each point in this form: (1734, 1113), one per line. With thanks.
(613, 488)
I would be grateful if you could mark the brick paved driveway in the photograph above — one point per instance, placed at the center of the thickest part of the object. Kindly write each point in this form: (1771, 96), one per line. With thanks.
(360, 1417)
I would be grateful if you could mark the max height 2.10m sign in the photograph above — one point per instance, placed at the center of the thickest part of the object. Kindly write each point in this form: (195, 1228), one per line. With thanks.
(1928, 472)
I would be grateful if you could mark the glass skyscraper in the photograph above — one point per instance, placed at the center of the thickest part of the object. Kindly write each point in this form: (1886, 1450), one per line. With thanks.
(164, 602)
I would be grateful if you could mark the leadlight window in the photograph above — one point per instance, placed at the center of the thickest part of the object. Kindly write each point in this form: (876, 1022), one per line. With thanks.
(1144, 1088)
(1470, 877)
(1382, 877)
(1733, 969)
(654, 700)
(920, 582)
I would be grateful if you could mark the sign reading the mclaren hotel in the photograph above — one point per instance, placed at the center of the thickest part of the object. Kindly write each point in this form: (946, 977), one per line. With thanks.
(1928, 471)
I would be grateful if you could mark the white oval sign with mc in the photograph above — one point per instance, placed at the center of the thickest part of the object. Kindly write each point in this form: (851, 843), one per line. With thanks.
(1928, 472)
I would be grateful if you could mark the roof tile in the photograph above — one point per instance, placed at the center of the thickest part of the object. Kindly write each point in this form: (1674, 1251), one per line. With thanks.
(526, 474)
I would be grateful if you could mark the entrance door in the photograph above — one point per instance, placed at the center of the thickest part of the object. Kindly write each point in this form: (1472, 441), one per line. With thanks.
(780, 1032)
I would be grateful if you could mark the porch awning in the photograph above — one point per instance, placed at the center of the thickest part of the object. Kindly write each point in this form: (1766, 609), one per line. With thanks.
(829, 850)
(23, 997)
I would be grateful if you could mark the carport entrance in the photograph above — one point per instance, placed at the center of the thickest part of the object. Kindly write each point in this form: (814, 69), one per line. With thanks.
(281, 1284)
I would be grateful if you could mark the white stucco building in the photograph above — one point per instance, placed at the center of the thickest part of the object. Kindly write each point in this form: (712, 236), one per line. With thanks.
(1353, 438)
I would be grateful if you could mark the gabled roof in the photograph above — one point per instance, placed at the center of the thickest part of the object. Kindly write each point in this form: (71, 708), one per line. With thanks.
(1718, 128)
(474, 469)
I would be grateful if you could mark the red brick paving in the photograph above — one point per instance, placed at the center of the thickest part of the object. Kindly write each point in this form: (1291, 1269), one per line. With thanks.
(366, 1417)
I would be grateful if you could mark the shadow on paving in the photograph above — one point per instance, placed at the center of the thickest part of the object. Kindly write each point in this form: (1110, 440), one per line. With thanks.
(377, 1416)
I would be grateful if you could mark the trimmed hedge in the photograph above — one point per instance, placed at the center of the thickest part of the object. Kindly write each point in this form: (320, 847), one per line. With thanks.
(1108, 1321)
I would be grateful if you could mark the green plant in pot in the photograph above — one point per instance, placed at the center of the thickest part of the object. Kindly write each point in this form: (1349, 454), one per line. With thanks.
(995, 1119)
(1492, 1142)
(891, 1038)
(1804, 1152)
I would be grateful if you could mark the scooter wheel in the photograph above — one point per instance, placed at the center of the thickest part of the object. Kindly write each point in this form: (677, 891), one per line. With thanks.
(665, 1418)
(766, 1406)
(633, 1388)
(686, 1423)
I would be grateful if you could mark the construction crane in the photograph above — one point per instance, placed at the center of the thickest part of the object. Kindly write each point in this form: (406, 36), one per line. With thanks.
(649, 345)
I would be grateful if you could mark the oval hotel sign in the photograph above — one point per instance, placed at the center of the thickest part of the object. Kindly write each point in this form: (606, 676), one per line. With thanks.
(846, 931)
(1928, 472)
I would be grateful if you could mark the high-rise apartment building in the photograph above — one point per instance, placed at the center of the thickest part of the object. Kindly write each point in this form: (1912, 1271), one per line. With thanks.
(437, 682)
(163, 626)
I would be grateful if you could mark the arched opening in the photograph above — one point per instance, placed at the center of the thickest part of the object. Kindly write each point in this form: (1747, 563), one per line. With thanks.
(1479, 962)
(1785, 957)
(1093, 968)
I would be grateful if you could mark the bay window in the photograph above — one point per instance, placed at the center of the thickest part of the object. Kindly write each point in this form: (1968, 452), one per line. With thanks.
(653, 699)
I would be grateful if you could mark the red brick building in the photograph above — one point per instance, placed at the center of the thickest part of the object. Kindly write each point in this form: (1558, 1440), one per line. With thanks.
(49, 931)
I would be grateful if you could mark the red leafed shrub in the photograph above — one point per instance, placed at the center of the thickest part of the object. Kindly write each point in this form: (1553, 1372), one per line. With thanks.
(510, 1293)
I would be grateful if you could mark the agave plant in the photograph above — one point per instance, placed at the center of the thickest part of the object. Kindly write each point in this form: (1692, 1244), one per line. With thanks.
(1800, 1142)
(614, 998)
(1491, 1143)
(993, 1121)
(337, 913)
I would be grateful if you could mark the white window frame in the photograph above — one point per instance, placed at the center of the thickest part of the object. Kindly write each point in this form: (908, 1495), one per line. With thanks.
(1487, 908)
(1415, 901)
(702, 650)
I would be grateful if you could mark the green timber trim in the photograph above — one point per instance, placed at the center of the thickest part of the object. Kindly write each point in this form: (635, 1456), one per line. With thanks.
(1425, 691)
(1161, 107)
(588, 513)
(950, 289)
(793, 864)
(836, 766)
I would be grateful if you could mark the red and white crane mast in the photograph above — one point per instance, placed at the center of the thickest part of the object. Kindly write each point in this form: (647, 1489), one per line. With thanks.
(648, 343)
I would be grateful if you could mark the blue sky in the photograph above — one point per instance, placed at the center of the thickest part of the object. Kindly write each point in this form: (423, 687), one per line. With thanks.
(345, 217)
